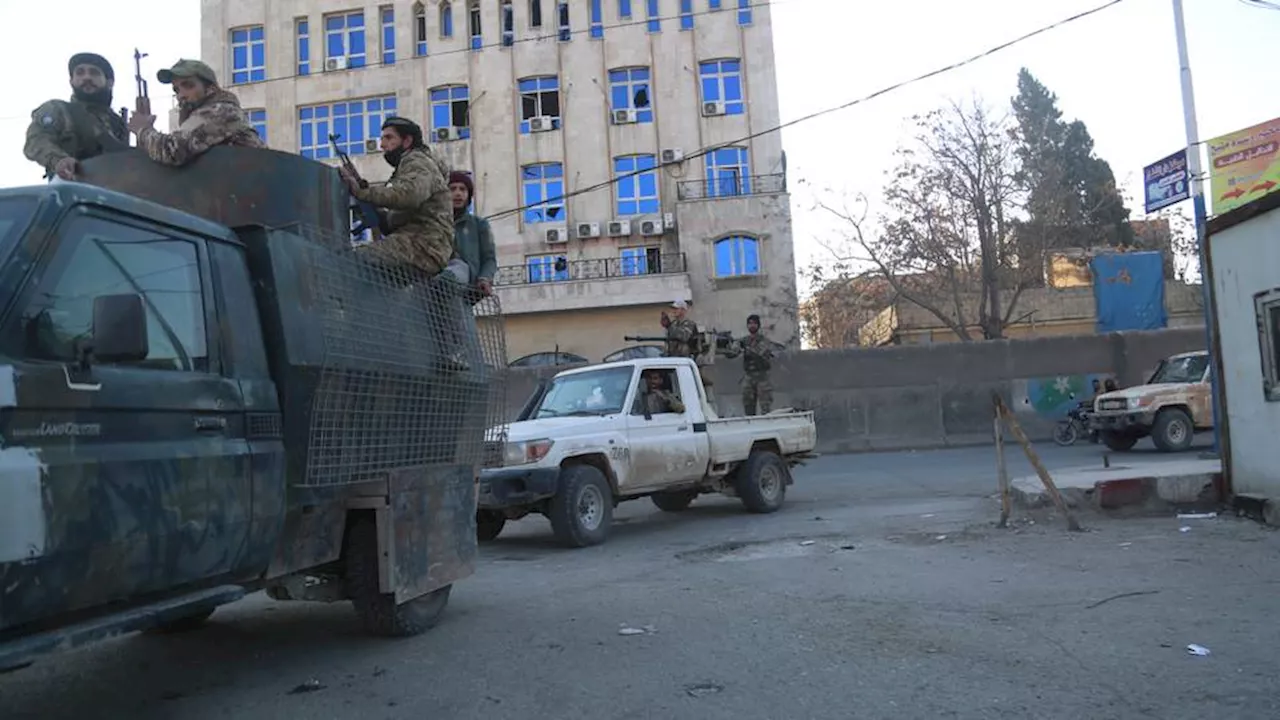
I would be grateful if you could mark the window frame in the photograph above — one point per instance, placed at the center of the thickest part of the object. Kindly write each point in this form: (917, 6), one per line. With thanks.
(320, 148)
(475, 25)
(387, 34)
(745, 17)
(712, 170)
(535, 13)
(252, 71)
(450, 102)
(419, 29)
(507, 14)
(625, 10)
(258, 119)
(652, 16)
(536, 212)
(632, 176)
(564, 21)
(346, 33)
(446, 19)
(596, 23)
(1264, 304)
(738, 256)
(721, 78)
(543, 262)
(646, 259)
(302, 44)
(631, 84)
(537, 93)
(686, 15)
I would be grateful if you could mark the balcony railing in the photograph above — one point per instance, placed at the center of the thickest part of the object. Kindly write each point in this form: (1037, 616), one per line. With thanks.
(728, 186)
(564, 270)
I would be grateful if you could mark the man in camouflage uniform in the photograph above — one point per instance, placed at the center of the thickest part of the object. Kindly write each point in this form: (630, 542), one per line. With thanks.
(417, 201)
(685, 340)
(208, 116)
(757, 360)
(656, 400)
(62, 132)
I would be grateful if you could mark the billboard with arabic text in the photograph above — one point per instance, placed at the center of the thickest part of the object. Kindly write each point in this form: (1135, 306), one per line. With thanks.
(1244, 166)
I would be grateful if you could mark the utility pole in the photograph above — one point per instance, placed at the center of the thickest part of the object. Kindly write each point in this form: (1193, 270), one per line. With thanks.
(1194, 169)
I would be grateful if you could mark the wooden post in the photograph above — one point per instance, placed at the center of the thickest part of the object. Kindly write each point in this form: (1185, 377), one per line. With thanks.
(1021, 437)
(1001, 469)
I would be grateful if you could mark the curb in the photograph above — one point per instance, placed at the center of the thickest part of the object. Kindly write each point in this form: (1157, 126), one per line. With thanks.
(1159, 494)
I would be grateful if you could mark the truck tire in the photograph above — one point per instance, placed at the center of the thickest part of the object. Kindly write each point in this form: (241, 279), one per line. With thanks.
(1173, 430)
(581, 512)
(489, 525)
(377, 610)
(183, 624)
(674, 501)
(1119, 442)
(762, 482)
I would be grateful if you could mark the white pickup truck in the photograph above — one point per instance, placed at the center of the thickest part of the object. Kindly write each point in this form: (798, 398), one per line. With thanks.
(595, 436)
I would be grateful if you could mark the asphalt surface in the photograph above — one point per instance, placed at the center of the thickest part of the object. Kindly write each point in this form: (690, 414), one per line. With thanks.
(881, 590)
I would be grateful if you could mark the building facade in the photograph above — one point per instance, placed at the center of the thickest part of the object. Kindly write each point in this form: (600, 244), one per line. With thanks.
(622, 149)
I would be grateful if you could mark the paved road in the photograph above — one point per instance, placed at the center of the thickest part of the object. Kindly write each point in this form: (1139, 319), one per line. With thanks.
(882, 590)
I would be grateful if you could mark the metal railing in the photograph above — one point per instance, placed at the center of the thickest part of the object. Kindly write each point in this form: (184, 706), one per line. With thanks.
(723, 187)
(564, 270)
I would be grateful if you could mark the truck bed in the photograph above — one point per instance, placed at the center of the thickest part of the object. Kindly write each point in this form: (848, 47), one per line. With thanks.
(732, 437)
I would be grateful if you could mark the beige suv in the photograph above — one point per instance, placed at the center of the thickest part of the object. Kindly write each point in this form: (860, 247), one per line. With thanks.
(1171, 407)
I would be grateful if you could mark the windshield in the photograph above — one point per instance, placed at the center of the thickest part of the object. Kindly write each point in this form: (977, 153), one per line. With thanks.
(15, 213)
(595, 392)
(1188, 369)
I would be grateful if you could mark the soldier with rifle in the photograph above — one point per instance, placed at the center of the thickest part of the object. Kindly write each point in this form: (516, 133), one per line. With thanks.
(208, 116)
(757, 360)
(62, 132)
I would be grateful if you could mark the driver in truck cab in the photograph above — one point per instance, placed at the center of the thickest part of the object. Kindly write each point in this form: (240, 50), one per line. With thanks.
(656, 399)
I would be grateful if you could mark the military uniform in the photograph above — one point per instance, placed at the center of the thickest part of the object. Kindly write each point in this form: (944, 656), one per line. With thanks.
(216, 120)
(680, 338)
(420, 212)
(73, 128)
(662, 401)
(757, 356)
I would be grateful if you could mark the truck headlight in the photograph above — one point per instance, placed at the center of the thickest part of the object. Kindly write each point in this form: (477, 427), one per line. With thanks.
(528, 451)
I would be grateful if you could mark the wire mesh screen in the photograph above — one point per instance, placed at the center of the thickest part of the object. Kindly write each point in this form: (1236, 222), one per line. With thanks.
(413, 371)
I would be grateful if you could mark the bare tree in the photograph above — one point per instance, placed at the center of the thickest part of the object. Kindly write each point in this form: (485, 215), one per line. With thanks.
(946, 242)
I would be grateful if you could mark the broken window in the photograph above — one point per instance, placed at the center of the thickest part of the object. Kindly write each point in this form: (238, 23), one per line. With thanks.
(451, 108)
(539, 98)
(629, 90)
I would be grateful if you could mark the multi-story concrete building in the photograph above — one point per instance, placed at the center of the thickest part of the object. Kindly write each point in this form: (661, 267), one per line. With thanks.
(623, 149)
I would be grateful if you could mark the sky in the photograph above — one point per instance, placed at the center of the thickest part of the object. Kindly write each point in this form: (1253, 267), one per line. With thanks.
(1117, 71)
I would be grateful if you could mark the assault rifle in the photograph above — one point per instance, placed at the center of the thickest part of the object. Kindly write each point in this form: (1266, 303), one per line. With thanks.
(142, 105)
(704, 345)
(367, 213)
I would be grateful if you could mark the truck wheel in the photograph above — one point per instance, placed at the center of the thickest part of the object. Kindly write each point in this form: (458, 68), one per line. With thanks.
(181, 625)
(675, 501)
(582, 511)
(1119, 442)
(378, 610)
(489, 525)
(762, 482)
(1173, 431)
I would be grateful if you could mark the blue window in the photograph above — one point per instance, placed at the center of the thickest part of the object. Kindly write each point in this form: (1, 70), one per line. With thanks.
(535, 13)
(508, 24)
(597, 20)
(353, 121)
(258, 118)
(686, 14)
(473, 24)
(419, 30)
(539, 97)
(640, 260)
(547, 268)
(744, 12)
(543, 192)
(728, 172)
(344, 37)
(655, 18)
(248, 55)
(736, 256)
(451, 107)
(388, 36)
(715, 4)
(629, 89)
(722, 81)
(446, 19)
(636, 180)
(304, 47)
(562, 19)
(624, 9)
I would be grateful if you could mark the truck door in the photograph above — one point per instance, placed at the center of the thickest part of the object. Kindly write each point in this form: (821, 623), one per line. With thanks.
(665, 449)
(143, 467)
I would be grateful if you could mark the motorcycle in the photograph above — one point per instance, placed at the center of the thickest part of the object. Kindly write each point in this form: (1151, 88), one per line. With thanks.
(1068, 431)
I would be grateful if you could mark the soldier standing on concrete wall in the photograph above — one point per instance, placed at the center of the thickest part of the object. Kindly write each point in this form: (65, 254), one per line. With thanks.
(757, 361)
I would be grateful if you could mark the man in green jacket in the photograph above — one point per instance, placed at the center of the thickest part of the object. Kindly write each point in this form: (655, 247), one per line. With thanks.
(472, 237)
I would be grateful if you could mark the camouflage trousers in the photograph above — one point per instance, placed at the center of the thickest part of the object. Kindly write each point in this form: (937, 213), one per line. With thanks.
(757, 388)
(413, 246)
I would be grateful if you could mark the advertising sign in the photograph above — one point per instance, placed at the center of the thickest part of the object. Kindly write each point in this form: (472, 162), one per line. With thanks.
(1244, 165)
(1166, 181)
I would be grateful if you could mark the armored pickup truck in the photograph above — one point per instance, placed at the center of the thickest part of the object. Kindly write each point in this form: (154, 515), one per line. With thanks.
(205, 391)
(595, 436)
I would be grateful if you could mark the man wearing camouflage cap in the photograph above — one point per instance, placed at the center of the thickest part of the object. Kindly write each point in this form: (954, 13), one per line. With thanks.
(62, 133)
(208, 116)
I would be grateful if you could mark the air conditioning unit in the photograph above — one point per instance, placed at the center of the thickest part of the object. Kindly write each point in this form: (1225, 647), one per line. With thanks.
(669, 221)
(556, 235)
(619, 228)
(336, 63)
(713, 107)
(541, 123)
(371, 145)
(626, 116)
(588, 230)
(672, 155)
(651, 227)
(445, 134)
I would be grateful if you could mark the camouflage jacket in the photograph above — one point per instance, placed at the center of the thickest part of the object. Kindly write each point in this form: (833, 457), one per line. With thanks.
(757, 354)
(416, 196)
(217, 120)
(681, 336)
(62, 128)
(662, 401)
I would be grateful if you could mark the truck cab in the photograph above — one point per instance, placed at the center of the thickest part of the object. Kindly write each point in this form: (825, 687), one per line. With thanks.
(1173, 405)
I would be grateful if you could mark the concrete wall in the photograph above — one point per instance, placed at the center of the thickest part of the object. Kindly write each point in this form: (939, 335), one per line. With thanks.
(1246, 260)
(933, 396)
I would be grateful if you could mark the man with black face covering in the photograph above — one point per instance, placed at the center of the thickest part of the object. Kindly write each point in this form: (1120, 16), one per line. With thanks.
(62, 133)
(416, 199)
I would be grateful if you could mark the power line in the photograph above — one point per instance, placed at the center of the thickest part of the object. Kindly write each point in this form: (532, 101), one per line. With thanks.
(500, 44)
(1260, 4)
(883, 91)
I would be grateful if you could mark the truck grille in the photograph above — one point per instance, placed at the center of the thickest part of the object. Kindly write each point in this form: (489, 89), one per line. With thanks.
(1113, 405)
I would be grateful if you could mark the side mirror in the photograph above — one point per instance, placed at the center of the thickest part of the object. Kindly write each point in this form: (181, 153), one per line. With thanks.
(119, 328)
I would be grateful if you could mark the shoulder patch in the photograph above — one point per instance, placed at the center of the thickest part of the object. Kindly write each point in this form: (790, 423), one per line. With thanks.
(46, 119)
